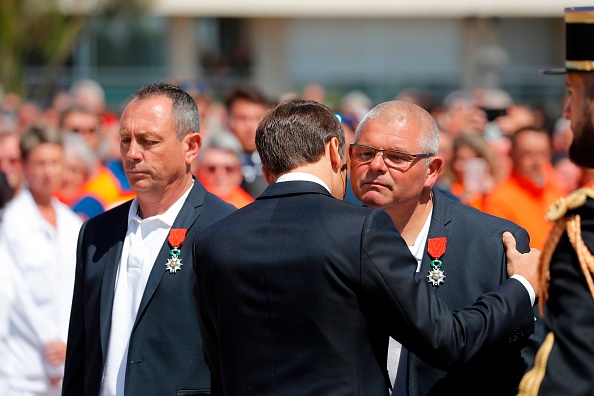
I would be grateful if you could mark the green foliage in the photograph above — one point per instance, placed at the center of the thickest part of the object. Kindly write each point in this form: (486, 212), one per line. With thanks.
(43, 28)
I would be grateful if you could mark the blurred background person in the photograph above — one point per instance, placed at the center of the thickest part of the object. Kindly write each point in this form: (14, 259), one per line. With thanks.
(11, 163)
(84, 121)
(218, 167)
(81, 186)
(461, 115)
(445, 177)
(91, 95)
(525, 196)
(246, 106)
(561, 138)
(473, 170)
(315, 92)
(568, 174)
(38, 235)
(211, 121)
(5, 192)
(102, 187)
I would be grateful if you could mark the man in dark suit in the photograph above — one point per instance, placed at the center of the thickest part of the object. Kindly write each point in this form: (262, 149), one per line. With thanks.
(298, 291)
(133, 326)
(472, 259)
(564, 364)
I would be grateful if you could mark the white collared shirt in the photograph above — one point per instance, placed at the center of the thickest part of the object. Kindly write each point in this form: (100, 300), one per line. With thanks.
(302, 176)
(142, 244)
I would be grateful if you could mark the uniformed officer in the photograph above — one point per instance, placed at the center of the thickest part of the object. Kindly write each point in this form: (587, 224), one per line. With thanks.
(564, 364)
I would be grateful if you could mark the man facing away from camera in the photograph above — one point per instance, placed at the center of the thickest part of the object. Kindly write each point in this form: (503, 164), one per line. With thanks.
(298, 291)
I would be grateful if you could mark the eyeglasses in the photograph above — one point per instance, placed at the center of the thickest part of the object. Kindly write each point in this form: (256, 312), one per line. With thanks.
(392, 158)
(226, 168)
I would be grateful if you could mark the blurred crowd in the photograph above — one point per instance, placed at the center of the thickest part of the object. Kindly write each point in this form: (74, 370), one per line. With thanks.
(501, 156)
(479, 138)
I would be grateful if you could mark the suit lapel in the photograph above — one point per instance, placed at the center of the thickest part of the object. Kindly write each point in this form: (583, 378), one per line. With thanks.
(185, 219)
(440, 218)
(110, 270)
(438, 228)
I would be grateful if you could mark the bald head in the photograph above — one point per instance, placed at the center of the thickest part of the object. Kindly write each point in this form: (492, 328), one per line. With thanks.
(398, 112)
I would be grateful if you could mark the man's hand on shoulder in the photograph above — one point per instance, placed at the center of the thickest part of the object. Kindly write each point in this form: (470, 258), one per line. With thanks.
(525, 265)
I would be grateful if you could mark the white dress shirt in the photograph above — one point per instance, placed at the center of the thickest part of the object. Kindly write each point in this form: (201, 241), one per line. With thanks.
(144, 239)
(39, 261)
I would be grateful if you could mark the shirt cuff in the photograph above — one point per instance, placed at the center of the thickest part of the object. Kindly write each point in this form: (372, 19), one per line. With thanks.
(528, 287)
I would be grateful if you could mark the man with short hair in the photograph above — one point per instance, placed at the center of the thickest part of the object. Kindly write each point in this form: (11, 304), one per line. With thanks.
(133, 327)
(394, 166)
(298, 291)
(246, 106)
(532, 187)
(564, 364)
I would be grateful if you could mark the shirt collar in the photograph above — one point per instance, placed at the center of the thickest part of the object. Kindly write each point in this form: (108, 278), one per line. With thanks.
(167, 218)
(418, 247)
(301, 176)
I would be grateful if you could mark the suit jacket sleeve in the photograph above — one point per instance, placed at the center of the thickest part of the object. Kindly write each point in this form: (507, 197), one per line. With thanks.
(74, 369)
(394, 293)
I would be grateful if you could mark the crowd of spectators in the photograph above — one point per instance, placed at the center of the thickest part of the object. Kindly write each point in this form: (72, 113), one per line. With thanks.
(501, 156)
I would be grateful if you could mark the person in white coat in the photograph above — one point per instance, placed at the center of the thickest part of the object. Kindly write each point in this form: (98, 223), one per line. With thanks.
(38, 236)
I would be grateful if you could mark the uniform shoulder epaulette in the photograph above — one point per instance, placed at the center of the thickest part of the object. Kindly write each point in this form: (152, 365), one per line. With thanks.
(572, 224)
(572, 201)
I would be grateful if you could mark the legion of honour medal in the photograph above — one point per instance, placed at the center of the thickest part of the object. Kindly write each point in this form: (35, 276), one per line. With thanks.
(436, 247)
(176, 238)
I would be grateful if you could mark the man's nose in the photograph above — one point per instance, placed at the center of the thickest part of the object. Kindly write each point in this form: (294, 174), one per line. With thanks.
(377, 162)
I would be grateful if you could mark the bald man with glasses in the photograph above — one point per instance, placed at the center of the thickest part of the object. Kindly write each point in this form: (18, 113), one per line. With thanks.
(394, 166)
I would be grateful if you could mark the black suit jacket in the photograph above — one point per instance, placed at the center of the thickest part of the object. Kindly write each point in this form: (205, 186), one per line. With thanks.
(165, 354)
(298, 291)
(474, 263)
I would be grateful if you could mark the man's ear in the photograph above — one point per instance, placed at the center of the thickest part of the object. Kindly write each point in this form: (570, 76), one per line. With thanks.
(335, 160)
(433, 171)
(194, 142)
(268, 177)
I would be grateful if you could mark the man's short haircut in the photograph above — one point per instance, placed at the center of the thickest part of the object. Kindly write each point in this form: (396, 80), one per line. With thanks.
(295, 133)
(184, 113)
(398, 110)
(38, 134)
(247, 93)
(523, 130)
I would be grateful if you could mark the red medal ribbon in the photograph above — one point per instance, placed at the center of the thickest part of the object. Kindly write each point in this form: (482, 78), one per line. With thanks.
(177, 236)
(436, 247)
